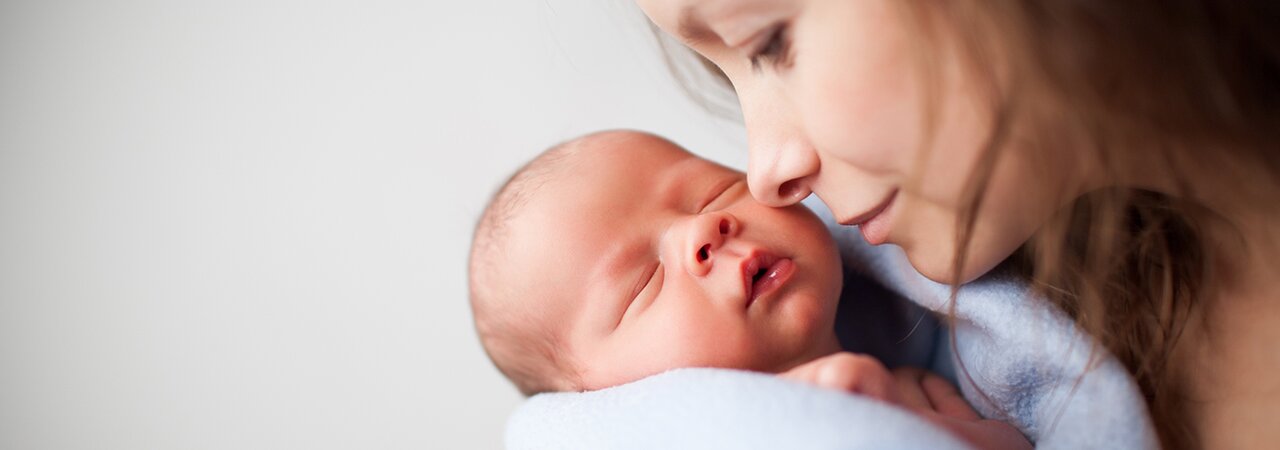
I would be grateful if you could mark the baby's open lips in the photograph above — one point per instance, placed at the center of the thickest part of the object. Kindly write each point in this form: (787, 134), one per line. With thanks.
(764, 272)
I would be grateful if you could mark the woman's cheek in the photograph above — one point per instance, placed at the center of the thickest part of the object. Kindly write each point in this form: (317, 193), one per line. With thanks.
(960, 138)
(867, 120)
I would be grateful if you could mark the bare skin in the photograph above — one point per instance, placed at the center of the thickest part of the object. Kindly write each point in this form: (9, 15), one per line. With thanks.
(1229, 353)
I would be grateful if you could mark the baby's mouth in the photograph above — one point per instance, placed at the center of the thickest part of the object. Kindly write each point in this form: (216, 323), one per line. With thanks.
(764, 273)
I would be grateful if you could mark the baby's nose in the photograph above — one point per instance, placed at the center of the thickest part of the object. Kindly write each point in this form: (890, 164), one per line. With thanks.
(706, 237)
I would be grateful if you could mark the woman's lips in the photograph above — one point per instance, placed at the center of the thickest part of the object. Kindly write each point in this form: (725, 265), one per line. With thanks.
(874, 224)
(764, 273)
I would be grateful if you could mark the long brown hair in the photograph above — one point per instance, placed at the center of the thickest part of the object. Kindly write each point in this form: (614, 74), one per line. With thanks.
(1187, 82)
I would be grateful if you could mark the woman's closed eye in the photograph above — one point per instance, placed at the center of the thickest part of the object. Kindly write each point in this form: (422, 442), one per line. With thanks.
(774, 49)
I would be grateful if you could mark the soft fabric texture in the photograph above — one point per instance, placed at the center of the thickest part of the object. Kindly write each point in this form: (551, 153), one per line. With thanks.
(714, 409)
(1024, 360)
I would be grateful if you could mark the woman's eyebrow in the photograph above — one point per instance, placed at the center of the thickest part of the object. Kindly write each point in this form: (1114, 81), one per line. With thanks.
(692, 28)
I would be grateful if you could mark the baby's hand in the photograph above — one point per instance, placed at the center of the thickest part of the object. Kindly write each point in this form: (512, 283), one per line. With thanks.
(926, 394)
(848, 372)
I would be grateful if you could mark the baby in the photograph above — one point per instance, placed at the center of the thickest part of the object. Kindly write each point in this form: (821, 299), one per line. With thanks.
(620, 255)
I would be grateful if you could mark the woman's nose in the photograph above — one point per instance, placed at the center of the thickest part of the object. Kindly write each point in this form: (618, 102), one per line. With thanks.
(780, 174)
(781, 164)
(705, 237)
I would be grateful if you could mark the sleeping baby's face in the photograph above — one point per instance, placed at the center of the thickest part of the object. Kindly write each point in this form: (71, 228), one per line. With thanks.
(646, 258)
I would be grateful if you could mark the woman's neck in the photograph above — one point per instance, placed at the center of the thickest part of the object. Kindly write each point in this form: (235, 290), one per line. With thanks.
(1238, 215)
(1227, 355)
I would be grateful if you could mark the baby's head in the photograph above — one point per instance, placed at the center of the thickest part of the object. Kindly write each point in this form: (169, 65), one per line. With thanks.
(620, 255)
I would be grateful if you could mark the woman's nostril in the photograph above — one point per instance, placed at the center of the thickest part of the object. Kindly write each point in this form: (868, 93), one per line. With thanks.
(789, 190)
(704, 253)
(724, 226)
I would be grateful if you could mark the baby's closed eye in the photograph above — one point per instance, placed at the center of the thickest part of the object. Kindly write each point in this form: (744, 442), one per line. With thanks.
(645, 289)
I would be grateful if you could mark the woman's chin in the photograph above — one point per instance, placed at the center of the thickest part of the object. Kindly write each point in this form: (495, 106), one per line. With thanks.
(938, 267)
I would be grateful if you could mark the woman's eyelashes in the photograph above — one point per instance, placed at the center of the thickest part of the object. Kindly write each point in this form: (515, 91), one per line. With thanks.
(774, 49)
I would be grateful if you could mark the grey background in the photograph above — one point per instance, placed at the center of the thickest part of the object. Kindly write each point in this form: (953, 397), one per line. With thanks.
(244, 224)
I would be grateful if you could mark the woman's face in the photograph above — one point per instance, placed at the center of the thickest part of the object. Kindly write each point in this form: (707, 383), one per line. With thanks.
(834, 95)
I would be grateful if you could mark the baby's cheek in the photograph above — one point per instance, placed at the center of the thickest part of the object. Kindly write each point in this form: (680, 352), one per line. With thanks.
(720, 345)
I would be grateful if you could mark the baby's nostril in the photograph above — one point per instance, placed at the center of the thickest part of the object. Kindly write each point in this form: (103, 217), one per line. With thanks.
(704, 253)
(724, 226)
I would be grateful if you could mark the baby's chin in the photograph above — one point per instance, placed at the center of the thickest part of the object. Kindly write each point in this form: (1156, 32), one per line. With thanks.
(809, 311)
(812, 345)
(795, 345)
(776, 361)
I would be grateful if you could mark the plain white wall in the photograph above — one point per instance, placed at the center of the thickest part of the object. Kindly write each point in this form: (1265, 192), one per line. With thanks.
(243, 224)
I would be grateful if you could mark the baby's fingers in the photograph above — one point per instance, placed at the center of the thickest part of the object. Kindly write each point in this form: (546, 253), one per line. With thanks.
(946, 400)
(911, 388)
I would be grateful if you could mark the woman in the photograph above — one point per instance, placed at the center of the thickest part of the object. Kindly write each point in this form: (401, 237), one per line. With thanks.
(1125, 153)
